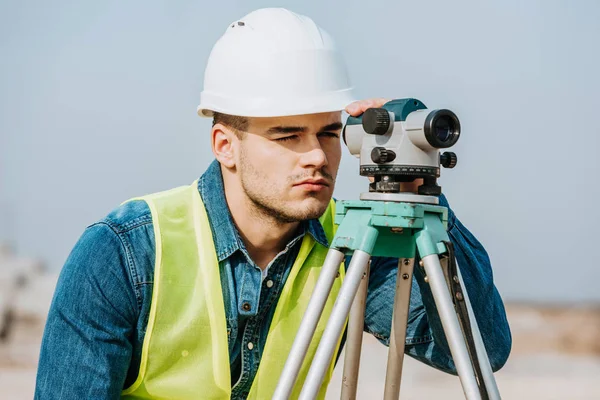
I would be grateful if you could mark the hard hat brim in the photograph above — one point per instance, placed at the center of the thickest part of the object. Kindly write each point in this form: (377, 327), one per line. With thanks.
(270, 107)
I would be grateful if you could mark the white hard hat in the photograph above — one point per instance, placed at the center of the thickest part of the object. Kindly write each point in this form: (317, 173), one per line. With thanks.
(271, 63)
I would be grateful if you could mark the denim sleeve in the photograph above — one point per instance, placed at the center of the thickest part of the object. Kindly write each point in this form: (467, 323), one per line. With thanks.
(86, 351)
(425, 338)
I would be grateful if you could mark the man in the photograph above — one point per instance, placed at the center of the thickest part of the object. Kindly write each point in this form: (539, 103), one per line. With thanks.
(197, 292)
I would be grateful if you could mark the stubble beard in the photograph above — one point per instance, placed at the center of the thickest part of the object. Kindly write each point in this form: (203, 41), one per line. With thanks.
(263, 196)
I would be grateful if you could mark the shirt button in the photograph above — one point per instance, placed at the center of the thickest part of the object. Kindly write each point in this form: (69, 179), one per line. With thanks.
(250, 346)
(246, 306)
(269, 283)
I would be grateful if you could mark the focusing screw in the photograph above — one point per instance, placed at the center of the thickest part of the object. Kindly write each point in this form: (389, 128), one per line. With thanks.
(448, 159)
(376, 121)
(381, 155)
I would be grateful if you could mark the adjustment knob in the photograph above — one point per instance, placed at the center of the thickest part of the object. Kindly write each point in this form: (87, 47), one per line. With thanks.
(448, 159)
(376, 121)
(381, 155)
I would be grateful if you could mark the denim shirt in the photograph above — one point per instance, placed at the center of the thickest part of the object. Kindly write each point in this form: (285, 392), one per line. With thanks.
(93, 338)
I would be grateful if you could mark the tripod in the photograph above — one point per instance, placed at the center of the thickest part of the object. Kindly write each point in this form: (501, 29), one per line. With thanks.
(389, 225)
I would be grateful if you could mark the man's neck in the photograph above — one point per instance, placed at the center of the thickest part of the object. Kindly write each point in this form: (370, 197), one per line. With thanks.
(263, 235)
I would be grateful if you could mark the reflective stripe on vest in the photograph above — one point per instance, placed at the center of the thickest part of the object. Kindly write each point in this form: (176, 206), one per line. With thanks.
(185, 351)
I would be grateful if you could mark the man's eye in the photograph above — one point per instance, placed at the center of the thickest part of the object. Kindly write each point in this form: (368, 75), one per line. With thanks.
(286, 138)
(329, 134)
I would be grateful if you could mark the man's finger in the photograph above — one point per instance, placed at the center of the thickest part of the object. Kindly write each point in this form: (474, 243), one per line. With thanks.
(358, 107)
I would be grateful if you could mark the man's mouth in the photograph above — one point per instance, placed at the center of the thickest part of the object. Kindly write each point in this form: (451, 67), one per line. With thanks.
(318, 181)
(313, 184)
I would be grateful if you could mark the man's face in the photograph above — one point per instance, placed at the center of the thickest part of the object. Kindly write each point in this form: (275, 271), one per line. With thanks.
(287, 165)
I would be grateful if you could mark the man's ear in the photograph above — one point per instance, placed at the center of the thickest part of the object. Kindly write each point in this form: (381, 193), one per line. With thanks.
(223, 145)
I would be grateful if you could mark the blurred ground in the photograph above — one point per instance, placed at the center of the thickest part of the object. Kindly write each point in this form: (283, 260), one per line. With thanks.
(555, 355)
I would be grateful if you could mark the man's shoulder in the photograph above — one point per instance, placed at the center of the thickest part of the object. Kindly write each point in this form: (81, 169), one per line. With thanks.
(136, 212)
(133, 213)
(129, 215)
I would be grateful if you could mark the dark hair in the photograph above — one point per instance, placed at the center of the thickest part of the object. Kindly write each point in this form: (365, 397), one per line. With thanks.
(237, 123)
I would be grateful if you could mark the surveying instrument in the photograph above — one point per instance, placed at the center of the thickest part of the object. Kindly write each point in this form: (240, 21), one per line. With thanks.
(397, 143)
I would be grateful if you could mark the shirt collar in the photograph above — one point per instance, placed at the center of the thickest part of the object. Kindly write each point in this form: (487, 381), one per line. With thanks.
(225, 234)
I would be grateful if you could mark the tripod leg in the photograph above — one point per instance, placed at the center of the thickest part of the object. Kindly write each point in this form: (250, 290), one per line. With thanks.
(309, 324)
(484, 362)
(356, 324)
(337, 319)
(398, 331)
(451, 326)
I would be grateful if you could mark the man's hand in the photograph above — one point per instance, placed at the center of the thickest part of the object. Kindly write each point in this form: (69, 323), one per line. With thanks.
(359, 107)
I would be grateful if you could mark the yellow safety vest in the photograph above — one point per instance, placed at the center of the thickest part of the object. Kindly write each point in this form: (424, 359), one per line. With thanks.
(185, 353)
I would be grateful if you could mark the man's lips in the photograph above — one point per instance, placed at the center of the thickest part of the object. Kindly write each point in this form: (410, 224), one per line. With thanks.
(310, 182)
(313, 185)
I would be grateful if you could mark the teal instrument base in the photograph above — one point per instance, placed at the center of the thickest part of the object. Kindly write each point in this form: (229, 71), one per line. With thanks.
(390, 229)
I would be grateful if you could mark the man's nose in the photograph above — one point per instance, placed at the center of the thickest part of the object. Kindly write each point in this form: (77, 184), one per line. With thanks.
(314, 155)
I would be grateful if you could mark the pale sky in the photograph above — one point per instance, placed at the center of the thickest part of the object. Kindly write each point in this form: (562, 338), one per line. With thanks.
(98, 104)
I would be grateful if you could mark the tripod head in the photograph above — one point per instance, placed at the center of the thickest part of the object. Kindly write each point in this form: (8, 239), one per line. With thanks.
(401, 142)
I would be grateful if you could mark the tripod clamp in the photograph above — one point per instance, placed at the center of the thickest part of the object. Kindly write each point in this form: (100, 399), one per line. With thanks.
(458, 298)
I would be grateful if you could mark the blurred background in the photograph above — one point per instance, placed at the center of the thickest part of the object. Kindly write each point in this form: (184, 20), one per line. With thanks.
(98, 105)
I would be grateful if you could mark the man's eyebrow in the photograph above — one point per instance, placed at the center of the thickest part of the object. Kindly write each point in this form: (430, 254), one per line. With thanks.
(301, 129)
(286, 129)
(336, 126)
